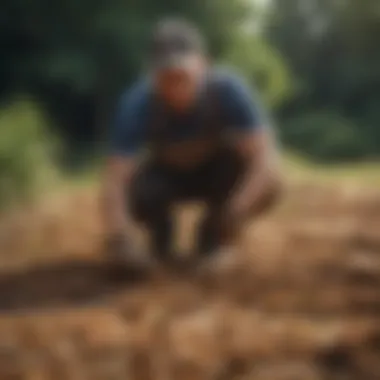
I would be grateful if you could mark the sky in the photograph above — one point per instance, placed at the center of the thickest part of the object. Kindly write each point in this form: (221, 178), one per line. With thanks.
(260, 2)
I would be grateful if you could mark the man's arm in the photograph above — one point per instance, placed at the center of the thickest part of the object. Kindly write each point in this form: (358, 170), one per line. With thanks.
(126, 140)
(262, 178)
(255, 141)
(115, 183)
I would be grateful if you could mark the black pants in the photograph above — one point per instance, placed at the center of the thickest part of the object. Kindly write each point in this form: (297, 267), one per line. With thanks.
(156, 187)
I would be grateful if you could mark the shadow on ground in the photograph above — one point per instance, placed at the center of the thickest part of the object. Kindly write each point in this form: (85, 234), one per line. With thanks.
(61, 284)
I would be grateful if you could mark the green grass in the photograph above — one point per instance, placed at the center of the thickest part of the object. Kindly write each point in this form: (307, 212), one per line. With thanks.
(300, 169)
(296, 169)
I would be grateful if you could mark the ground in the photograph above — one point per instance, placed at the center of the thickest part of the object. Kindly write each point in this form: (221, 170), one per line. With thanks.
(302, 301)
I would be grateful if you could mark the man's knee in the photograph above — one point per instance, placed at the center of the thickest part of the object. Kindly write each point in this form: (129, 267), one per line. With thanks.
(148, 200)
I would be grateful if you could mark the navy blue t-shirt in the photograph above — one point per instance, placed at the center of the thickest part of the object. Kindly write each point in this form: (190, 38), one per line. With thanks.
(241, 107)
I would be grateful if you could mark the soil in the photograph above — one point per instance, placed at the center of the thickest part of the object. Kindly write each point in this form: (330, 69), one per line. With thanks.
(301, 300)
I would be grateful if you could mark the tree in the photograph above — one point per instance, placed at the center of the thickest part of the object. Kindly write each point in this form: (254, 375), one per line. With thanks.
(334, 55)
(264, 67)
(76, 57)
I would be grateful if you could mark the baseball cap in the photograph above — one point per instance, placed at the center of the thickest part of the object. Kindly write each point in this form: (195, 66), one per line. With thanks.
(174, 43)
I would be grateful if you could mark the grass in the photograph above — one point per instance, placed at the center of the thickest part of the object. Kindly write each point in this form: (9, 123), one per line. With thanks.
(300, 169)
(296, 168)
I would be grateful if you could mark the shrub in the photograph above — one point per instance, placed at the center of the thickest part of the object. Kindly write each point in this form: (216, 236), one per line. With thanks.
(324, 136)
(26, 152)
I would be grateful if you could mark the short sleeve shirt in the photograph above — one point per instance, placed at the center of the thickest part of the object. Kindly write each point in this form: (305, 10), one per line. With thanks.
(239, 103)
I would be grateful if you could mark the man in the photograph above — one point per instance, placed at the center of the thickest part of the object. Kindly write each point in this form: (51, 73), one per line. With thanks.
(204, 138)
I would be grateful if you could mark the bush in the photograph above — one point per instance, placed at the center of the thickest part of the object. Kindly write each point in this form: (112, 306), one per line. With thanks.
(26, 152)
(324, 136)
(263, 66)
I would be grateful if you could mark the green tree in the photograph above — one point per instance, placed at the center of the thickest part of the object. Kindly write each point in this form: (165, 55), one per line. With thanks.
(26, 152)
(263, 66)
(77, 56)
(333, 52)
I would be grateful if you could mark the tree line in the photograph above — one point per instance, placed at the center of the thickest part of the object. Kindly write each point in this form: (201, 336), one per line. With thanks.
(316, 63)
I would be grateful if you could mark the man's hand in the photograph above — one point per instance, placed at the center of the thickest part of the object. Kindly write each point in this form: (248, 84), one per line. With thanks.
(116, 179)
(122, 255)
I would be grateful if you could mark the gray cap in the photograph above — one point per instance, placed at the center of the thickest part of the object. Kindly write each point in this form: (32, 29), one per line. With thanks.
(173, 42)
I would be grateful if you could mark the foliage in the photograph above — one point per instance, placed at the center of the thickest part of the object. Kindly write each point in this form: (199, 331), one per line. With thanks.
(77, 56)
(324, 136)
(305, 56)
(25, 152)
(333, 52)
(263, 66)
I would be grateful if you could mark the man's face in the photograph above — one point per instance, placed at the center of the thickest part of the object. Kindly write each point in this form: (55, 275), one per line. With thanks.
(178, 87)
